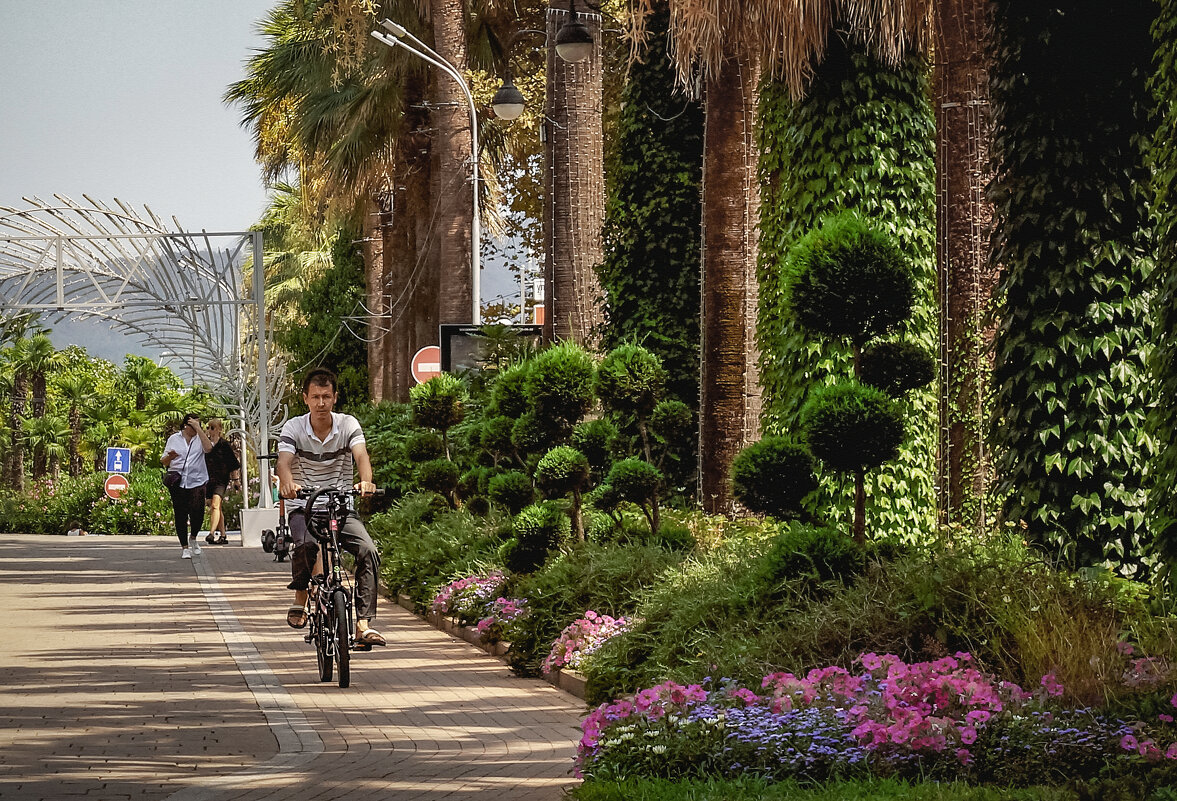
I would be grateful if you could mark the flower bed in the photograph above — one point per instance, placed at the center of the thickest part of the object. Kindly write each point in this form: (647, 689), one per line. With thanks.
(581, 638)
(945, 720)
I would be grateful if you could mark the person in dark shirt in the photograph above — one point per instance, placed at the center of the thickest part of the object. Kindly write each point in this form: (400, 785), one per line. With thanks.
(222, 463)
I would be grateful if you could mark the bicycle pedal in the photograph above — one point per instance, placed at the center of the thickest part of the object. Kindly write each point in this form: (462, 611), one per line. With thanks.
(362, 646)
(307, 638)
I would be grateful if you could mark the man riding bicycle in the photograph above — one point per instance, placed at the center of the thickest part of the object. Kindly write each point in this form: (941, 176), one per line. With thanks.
(324, 448)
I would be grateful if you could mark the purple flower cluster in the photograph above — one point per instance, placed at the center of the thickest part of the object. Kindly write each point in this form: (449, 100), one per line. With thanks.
(500, 615)
(581, 638)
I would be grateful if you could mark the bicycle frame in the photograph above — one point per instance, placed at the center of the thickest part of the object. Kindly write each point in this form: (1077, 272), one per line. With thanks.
(332, 610)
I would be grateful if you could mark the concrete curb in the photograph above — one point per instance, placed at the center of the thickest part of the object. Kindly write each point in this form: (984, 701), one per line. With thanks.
(570, 681)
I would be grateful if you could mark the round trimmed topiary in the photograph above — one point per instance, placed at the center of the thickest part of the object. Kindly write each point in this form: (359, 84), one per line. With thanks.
(673, 421)
(852, 427)
(439, 402)
(511, 490)
(850, 280)
(773, 476)
(560, 384)
(421, 446)
(440, 476)
(594, 438)
(508, 395)
(495, 436)
(478, 506)
(538, 530)
(530, 434)
(630, 379)
(638, 482)
(897, 367)
(562, 470)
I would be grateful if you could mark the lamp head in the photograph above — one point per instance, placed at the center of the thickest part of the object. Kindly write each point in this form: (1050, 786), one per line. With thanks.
(508, 101)
(397, 30)
(574, 41)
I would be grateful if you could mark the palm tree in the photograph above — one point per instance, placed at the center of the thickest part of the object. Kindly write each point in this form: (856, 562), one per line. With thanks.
(75, 390)
(143, 379)
(47, 437)
(41, 359)
(20, 360)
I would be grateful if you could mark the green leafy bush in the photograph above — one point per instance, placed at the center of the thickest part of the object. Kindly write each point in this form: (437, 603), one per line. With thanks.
(773, 476)
(606, 579)
(850, 281)
(439, 403)
(630, 379)
(48, 506)
(813, 555)
(422, 446)
(561, 471)
(897, 367)
(754, 789)
(511, 490)
(145, 508)
(496, 438)
(639, 483)
(538, 530)
(508, 394)
(852, 427)
(594, 438)
(560, 385)
(440, 476)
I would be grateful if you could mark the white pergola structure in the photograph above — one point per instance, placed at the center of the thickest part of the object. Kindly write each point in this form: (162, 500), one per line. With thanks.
(178, 291)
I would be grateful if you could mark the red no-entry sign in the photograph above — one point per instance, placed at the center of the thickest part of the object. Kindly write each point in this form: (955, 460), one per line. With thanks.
(426, 363)
(116, 485)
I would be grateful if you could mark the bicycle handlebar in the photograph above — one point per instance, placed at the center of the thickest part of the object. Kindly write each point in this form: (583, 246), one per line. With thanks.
(306, 493)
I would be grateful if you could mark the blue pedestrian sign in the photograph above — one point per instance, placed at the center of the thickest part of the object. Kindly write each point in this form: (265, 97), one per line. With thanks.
(118, 460)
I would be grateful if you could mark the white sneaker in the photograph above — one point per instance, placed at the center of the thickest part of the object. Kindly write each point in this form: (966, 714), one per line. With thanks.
(195, 548)
(186, 555)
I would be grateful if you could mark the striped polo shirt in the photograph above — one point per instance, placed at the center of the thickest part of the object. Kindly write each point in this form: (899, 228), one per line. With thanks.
(321, 463)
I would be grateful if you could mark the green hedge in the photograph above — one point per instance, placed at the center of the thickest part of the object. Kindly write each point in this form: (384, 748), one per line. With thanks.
(755, 790)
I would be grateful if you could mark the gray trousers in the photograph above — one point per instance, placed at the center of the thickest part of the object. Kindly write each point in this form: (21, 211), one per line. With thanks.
(354, 539)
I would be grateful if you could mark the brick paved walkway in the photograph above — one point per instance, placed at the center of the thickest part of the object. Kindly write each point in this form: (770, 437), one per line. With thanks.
(128, 673)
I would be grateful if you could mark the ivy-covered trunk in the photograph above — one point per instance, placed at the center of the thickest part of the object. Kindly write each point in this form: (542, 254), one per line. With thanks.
(1070, 125)
(967, 279)
(861, 139)
(1163, 423)
(729, 392)
(650, 272)
(376, 218)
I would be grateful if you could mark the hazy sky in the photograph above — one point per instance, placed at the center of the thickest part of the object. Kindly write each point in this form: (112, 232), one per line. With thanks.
(122, 99)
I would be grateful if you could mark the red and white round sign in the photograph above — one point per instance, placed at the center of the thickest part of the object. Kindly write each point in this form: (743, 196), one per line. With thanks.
(426, 363)
(116, 485)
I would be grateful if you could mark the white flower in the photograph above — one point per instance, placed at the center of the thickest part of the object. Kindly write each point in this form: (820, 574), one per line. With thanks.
(659, 749)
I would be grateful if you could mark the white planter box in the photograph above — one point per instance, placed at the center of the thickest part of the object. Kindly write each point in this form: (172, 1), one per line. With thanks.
(253, 522)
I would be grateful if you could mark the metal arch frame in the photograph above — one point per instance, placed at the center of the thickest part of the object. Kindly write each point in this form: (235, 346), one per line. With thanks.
(169, 287)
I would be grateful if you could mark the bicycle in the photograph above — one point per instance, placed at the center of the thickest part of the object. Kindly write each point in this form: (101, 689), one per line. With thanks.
(277, 541)
(332, 611)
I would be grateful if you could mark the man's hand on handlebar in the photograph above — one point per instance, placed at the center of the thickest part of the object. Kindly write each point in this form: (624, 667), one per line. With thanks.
(365, 488)
(288, 489)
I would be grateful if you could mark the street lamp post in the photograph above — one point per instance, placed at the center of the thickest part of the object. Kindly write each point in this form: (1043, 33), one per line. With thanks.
(426, 53)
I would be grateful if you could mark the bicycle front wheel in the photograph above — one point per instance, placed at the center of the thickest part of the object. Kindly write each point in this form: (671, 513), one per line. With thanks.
(342, 634)
(324, 631)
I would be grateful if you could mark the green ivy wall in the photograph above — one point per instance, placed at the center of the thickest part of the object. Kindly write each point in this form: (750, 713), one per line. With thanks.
(1071, 199)
(862, 139)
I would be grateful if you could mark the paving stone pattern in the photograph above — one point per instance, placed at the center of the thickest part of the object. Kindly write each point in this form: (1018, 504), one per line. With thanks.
(128, 673)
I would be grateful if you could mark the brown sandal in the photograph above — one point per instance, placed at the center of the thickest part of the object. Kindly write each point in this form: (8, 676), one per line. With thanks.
(370, 637)
(296, 617)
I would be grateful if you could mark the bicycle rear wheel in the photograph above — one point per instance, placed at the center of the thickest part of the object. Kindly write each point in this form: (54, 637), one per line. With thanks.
(343, 653)
(325, 630)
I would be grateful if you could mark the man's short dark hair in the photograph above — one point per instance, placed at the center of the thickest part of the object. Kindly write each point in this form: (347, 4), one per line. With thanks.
(187, 417)
(320, 377)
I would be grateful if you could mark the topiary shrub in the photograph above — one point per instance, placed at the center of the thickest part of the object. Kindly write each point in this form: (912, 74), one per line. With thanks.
(495, 438)
(478, 506)
(508, 395)
(595, 438)
(511, 490)
(816, 555)
(853, 428)
(639, 483)
(538, 530)
(851, 281)
(530, 434)
(421, 446)
(440, 476)
(561, 471)
(630, 380)
(773, 477)
(439, 403)
(475, 481)
(560, 385)
(897, 367)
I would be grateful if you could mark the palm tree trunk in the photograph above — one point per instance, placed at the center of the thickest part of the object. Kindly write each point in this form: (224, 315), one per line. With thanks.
(454, 172)
(374, 216)
(75, 438)
(966, 279)
(729, 388)
(574, 204)
(16, 467)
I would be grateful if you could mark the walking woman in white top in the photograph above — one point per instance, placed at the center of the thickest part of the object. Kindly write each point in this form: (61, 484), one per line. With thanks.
(184, 455)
